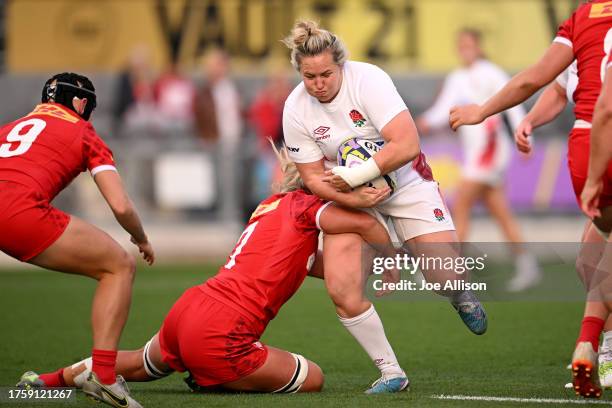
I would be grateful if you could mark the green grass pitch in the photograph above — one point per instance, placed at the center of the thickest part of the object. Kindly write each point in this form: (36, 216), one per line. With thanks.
(45, 325)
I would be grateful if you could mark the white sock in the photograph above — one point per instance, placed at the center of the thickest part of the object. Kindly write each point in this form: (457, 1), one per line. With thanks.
(368, 330)
(80, 379)
(607, 339)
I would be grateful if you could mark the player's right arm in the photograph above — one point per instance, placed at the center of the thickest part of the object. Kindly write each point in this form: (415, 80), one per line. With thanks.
(338, 220)
(110, 185)
(557, 58)
(548, 106)
(437, 115)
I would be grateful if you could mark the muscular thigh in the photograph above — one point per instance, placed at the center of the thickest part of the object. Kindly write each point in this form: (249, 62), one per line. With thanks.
(81, 249)
(345, 269)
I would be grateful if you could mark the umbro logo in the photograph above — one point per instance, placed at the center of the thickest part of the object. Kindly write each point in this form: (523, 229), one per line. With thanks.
(320, 133)
(293, 149)
(321, 130)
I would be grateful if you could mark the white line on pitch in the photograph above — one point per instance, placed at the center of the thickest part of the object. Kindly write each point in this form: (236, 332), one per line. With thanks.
(523, 400)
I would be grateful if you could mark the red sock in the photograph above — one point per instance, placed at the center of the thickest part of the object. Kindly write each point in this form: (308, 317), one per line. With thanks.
(54, 379)
(590, 330)
(103, 364)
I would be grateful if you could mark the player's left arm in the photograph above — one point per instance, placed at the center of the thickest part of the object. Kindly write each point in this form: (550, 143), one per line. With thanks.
(601, 148)
(402, 143)
(390, 117)
(557, 58)
(548, 106)
(98, 158)
(110, 185)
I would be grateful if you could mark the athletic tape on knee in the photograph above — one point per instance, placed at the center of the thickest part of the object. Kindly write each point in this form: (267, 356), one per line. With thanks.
(150, 368)
(80, 379)
(298, 377)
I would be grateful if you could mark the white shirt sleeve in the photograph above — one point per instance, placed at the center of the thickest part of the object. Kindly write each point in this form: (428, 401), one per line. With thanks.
(379, 97)
(301, 146)
(516, 116)
(563, 78)
(438, 115)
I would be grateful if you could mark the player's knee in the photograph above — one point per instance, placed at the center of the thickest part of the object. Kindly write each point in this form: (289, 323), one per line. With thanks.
(351, 306)
(307, 377)
(342, 294)
(315, 380)
(127, 265)
(123, 265)
(586, 266)
(581, 270)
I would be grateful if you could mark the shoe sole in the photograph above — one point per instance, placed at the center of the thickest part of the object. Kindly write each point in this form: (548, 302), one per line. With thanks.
(583, 381)
(93, 398)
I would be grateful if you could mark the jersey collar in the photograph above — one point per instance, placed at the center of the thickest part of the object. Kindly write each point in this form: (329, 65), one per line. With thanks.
(57, 106)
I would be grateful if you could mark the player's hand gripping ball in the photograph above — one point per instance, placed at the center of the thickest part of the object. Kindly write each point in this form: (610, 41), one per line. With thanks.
(355, 152)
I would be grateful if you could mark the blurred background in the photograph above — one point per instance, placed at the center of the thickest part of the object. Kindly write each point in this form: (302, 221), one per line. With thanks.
(189, 90)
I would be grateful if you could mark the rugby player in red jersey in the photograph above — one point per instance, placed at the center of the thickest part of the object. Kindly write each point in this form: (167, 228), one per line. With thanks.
(587, 37)
(214, 329)
(601, 150)
(40, 154)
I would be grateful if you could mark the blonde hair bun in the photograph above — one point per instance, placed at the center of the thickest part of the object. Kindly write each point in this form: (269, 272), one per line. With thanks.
(307, 39)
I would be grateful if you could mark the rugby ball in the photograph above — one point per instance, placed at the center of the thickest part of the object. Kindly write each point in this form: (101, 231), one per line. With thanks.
(355, 152)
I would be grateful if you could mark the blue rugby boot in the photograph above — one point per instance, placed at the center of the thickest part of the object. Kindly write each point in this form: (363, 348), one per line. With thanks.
(471, 312)
(389, 385)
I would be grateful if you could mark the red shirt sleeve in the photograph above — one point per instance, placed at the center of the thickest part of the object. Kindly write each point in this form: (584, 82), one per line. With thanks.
(306, 209)
(97, 156)
(565, 33)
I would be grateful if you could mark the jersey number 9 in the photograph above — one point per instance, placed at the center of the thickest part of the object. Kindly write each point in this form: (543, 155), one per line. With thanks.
(25, 140)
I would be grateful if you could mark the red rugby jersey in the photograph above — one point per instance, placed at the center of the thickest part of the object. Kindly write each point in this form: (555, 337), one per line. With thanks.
(272, 257)
(49, 147)
(589, 33)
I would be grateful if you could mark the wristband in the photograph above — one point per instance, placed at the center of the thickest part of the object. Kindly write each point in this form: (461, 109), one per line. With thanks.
(356, 176)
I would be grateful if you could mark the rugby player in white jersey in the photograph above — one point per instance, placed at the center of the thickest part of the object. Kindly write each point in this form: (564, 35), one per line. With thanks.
(486, 150)
(338, 100)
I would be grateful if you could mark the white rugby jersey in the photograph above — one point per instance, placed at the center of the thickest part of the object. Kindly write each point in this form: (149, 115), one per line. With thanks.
(568, 80)
(474, 84)
(366, 102)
